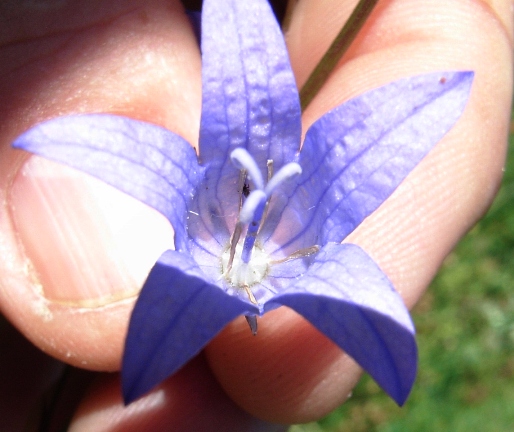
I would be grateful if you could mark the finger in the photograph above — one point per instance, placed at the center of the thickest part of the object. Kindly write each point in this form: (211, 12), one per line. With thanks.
(191, 400)
(297, 375)
(74, 251)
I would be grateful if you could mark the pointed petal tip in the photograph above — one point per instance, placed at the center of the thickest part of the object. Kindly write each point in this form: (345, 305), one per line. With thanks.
(461, 81)
(146, 161)
(400, 377)
(466, 76)
(127, 398)
(132, 395)
(348, 298)
(129, 394)
(132, 389)
(401, 395)
(160, 338)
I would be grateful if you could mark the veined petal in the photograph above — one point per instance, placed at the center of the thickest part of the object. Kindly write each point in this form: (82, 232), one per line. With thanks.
(348, 298)
(143, 160)
(249, 97)
(355, 156)
(177, 313)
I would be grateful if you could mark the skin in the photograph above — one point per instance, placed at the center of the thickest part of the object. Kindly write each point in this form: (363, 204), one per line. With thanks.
(75, 252)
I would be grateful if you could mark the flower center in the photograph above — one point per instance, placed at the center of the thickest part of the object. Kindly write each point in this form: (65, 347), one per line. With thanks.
(245, 274)
(244, 263)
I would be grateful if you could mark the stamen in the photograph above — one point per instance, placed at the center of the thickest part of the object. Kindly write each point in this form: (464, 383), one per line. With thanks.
(287, 172)
(234, 240)
(242, 183)
(233, 244)
(269, 165)
(301, 253)
(244, 160)
(250, 295)
(244, 263)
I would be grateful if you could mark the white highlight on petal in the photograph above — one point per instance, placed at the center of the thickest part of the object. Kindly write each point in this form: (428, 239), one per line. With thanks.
(287, 172)
(244, 160)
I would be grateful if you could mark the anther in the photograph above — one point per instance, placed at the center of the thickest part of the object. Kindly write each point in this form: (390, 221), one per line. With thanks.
(233, 244)
(250, 295)
(269, 165)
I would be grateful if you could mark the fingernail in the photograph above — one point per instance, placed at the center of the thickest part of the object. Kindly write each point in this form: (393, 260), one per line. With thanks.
(87, 243)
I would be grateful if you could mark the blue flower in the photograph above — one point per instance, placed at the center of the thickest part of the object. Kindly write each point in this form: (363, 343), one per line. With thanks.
(259, 223)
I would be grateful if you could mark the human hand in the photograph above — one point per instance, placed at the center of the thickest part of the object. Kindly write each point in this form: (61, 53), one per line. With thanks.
(136, 63)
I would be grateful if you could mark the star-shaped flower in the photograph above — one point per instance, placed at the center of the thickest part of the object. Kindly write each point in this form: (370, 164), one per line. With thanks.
(259, 224)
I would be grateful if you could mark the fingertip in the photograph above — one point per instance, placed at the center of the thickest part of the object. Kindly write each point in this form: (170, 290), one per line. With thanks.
(74, 253)
(86, 249)
(190, 400)
(288, 373)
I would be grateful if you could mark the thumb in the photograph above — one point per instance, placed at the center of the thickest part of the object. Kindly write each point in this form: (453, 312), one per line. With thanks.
(75, 251)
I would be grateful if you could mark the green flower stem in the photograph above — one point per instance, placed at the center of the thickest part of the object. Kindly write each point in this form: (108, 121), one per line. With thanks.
(334, 53)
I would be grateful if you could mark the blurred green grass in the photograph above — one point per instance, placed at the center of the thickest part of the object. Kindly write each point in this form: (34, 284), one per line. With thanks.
(465, 325)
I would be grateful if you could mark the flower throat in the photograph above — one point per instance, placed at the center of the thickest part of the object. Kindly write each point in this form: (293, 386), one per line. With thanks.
(244, 263)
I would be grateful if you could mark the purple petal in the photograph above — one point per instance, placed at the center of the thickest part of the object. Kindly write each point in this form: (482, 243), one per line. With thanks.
(249, 92)
(348, 298)
(355, 156)
(249, 100)
(143, 160)
(177, 313)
